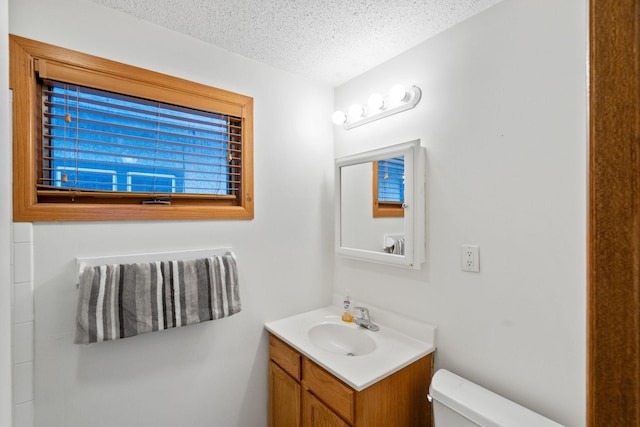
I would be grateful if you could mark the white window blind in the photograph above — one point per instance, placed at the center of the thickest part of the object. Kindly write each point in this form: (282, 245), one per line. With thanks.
(391, 180)
(99, 141)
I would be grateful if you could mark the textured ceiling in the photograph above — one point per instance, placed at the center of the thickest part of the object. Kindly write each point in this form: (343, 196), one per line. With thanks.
(327, 40)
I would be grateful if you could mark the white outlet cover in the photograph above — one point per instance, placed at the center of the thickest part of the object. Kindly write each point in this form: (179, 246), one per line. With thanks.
(470, 258)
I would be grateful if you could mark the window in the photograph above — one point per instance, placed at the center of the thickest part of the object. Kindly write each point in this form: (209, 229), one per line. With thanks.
(388, 187)
(95, 140)
(99, 140)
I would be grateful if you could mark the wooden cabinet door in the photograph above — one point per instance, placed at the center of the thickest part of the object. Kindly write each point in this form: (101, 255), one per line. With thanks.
(329, 389)
(284, 398)
(316, 414)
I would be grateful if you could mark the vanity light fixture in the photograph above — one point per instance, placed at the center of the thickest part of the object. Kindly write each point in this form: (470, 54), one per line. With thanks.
(375, 103)
(356, 111)
(398, 94)
(339, 118)
(399, 99)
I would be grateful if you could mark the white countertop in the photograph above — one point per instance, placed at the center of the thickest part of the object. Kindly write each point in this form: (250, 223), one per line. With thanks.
(394, 350)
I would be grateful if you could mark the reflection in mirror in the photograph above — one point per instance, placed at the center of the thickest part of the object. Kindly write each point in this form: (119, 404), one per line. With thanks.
(361, 229)
(391, 180)
(388, 187)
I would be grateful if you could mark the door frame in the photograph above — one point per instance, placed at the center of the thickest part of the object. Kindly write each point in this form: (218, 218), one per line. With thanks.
(613, 277)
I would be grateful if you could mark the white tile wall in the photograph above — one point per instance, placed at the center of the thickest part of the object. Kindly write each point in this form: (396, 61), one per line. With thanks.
(22, 232)
(22, 302)
(23, 262)
(23, 415)
(23, 342)
(23, 317)
(23, 382)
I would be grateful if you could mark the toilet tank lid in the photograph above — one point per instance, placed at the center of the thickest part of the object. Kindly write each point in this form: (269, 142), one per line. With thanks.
(480, 405)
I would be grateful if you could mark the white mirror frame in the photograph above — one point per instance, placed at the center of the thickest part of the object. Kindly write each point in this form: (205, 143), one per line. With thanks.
(414, 215)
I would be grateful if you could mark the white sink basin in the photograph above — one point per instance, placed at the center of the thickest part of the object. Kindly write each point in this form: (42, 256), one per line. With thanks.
(322, 337)
(344, 339)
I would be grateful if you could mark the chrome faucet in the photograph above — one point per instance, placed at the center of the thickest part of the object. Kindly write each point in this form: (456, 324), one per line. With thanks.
(365, 320)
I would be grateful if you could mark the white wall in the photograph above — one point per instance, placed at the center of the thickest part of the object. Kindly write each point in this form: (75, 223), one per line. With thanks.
(213, 373)
(504, 119)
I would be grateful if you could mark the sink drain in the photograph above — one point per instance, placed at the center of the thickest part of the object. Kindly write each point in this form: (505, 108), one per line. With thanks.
(350, 354)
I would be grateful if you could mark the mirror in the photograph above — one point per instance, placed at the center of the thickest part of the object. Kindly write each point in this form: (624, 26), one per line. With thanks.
(371, 226)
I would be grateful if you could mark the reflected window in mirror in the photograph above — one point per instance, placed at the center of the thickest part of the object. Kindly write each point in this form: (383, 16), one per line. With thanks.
(388, 187)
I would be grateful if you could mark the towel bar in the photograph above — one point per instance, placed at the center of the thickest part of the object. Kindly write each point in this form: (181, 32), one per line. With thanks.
(149, 257)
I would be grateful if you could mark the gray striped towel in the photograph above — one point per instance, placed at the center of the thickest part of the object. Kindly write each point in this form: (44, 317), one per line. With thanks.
(122, 300)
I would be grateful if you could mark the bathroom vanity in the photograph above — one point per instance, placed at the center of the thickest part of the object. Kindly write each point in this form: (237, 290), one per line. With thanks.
(347, 376)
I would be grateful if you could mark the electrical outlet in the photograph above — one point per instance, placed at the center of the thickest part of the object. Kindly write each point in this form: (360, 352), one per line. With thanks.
(470, 258)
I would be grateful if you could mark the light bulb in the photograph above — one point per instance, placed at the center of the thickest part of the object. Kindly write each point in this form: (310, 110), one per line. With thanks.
(375, 102)
(356, 111)
(398, 94)
(339, 118)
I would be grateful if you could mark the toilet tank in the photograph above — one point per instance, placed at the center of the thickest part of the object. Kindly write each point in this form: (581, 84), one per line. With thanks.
(458, 402)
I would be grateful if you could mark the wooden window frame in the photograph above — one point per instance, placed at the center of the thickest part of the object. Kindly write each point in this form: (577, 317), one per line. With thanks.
(87, 70)
(383, 209)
